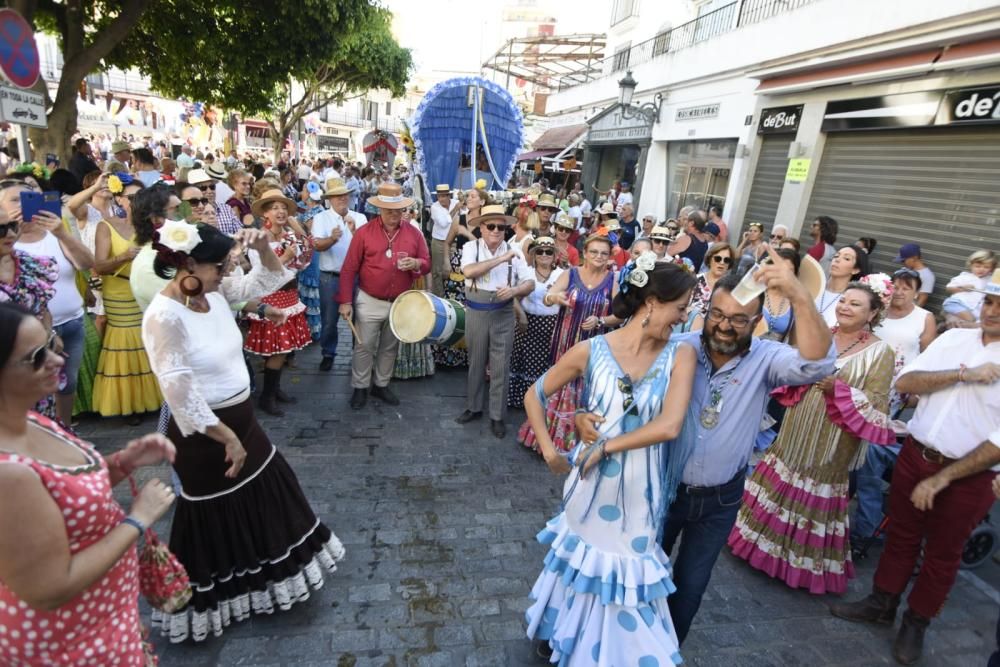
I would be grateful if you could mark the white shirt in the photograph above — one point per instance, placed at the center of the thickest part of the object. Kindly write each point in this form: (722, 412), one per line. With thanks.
(926, 280)
(223, 193)
(441, 217)
(956, 420)
(323, 226)
(303, 172)
(497, 276)
(67, 304)
(533, 303)
(826, 304)
(623, 198)
(971, 300)
(577, 214)
(149, 178)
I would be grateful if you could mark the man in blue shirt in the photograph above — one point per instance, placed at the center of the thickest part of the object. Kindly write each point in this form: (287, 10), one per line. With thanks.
(728, 401)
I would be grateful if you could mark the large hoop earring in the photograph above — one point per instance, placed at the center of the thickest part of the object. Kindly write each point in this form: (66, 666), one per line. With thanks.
(188, 290)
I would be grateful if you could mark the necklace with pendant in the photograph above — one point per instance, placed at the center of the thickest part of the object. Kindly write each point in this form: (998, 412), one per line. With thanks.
(862, 337)
(390, 241)
(711, 413)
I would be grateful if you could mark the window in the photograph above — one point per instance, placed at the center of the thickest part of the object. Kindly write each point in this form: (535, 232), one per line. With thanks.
(372, 111)
(388, 108)
(623, 9)
(324, 114)
(622, 54)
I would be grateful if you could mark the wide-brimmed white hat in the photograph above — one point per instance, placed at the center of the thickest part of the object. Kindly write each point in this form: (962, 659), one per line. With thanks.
(390, 196)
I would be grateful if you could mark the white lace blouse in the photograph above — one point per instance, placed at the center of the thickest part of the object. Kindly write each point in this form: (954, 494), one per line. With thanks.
(198, 357)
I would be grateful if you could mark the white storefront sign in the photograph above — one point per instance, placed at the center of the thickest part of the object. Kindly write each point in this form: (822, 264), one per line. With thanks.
(22, 107)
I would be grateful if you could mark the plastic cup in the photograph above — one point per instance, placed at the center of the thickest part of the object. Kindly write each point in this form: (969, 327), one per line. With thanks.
(749, 288)
(400, 257)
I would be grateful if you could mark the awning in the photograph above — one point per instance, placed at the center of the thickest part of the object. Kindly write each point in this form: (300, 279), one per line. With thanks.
(533, 155)
(257, 124)
(872, 70)
(558, 138)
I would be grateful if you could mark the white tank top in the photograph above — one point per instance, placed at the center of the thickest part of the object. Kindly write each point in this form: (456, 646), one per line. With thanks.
(903, 335)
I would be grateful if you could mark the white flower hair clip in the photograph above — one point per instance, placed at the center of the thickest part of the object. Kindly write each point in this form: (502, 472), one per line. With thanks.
(179, 236)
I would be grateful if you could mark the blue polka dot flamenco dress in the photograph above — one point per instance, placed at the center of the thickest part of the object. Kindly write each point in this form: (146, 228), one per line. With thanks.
(601, 598)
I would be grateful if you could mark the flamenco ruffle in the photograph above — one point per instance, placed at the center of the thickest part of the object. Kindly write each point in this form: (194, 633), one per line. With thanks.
(844, 410)
(600, 608)
(277, 594)
(266, 339)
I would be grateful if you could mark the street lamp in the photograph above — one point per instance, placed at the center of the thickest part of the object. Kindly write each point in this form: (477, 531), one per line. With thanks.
(649, 111)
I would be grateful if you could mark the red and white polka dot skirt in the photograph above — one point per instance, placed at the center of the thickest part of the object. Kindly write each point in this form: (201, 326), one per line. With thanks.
(267, 339)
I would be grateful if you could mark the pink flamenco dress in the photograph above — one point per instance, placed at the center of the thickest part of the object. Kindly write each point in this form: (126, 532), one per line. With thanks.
(793, 522)
(266, 338)
(561, 408)
(100, 626)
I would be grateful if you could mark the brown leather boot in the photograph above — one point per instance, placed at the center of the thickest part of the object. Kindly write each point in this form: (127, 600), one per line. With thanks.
(910, 640)
(879, 608)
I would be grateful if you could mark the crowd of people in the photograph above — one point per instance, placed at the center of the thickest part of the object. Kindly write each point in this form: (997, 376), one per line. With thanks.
(698, 393)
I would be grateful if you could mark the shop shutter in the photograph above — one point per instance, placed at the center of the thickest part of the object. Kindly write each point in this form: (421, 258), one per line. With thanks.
(938, 188)
(765, 191)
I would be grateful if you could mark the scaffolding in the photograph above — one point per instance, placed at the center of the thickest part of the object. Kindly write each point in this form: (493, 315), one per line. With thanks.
(545, 60)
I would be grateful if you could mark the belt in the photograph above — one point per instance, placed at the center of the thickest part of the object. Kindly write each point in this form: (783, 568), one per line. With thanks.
(930, 454)
(331, 273)
(692, 490)
(497, 305)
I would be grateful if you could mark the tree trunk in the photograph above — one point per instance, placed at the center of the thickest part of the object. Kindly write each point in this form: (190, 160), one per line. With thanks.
(279, 135)
(56, 138)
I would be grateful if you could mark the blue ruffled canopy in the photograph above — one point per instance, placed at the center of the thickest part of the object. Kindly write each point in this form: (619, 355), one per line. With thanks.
(442, 129)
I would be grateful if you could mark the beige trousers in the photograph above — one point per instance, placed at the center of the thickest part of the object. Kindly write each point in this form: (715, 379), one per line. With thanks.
(440, 266)
(376, 351)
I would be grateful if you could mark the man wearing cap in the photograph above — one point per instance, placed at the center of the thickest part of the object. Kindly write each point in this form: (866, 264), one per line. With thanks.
(332, 232)
(121, 152)
(941, 482)
(386, 257)
(442, 216)
(623, 199)
(495, 275)
(909, 256)
(546, 207)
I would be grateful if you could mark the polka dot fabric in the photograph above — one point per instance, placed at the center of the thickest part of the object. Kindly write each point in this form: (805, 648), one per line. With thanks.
(100, 627)
(266, 339)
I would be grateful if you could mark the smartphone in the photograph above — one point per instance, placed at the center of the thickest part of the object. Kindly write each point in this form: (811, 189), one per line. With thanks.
(33, 202)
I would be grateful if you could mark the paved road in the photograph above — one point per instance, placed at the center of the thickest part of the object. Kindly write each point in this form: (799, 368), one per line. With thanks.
(439, 523)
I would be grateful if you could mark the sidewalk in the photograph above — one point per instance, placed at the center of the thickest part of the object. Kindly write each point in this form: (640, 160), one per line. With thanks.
(439, 523)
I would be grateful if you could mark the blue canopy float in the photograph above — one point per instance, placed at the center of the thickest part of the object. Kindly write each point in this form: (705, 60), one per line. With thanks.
(466, 129)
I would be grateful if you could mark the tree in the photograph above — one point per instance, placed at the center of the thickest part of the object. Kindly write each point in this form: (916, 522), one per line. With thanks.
(367, 58)
(88, 31)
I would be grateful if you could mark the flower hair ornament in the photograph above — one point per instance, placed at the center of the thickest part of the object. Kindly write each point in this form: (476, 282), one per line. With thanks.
(881, 284)
(636, 272)
(33, 169)
(481, 184)
(172, 242)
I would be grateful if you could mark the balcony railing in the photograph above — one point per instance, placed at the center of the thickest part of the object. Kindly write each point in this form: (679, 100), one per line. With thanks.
(717, 22)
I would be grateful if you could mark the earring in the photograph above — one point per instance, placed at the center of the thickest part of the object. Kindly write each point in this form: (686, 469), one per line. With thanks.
(267, 224)
(189, 291)
(645, 321)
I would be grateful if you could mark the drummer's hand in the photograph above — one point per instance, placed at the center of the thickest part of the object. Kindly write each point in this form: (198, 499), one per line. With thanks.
(504, 293)
(586, 426)
(346, 311)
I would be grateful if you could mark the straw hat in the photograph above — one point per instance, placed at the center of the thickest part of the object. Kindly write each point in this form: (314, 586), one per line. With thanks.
(118, 146)
(547, 201)
(564, 221)
(661, 233)
(811, 275)
(491, 212)
(269, 196)
(541, 241)
(216, 170)
(443, 189)
(336, 187)
(196, 176)
(390, 196)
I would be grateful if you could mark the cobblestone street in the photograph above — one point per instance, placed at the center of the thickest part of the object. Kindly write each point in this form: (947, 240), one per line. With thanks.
(439, 523)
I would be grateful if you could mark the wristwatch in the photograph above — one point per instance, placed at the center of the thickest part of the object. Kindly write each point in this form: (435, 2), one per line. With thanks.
(600, 320)
(261, 309)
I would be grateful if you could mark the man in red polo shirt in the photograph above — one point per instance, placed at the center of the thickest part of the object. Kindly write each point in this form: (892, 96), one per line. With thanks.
(386, 257)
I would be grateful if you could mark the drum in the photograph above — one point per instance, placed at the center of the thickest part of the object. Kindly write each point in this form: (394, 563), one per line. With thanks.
(417, 316)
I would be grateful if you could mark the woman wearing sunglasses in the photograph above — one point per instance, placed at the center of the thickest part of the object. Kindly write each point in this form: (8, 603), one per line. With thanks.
(584, 295)
(27, 281)
(536, 322)
(719, 260)
(68, 567)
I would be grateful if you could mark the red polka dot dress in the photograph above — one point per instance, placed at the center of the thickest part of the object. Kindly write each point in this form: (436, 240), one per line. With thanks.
(266, 338)
(99, 627)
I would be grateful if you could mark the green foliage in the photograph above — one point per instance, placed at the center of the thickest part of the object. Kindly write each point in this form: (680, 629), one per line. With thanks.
(240, 54)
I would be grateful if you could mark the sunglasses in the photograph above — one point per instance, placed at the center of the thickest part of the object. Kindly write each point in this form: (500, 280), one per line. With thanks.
(36, 358)
(9, 228)
(492, 226)
(779, 237)
(197, 201)
(659, 242)
(210, 186)
(719, 259)
(546, 251)
(905, 272)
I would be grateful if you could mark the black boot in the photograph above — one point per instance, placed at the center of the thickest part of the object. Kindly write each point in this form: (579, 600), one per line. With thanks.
(279, 394)
(267, 398)
(910, 640)
(879, 608)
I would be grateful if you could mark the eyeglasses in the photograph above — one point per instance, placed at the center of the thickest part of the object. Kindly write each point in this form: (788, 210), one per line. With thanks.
(197, 201)
(779, 237)
(9, 228)
(493, 226)
(738, 321)
(720, 259)
(659, 242)
(209, 186)
(545, 251)
(36, 358)
(563, 229)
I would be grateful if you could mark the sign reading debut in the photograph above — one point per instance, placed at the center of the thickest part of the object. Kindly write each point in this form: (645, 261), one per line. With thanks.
(972, 105)
(22, 106)
(798, 170)
(697, 113)
(780, 120)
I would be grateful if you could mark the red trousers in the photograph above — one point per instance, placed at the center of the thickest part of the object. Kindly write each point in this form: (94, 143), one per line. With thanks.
(943, 530)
